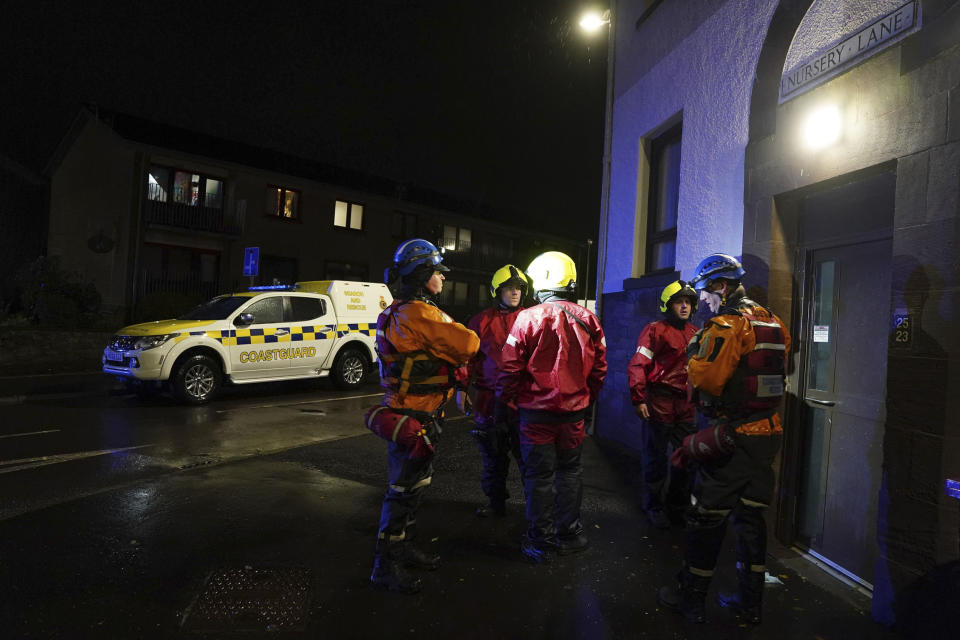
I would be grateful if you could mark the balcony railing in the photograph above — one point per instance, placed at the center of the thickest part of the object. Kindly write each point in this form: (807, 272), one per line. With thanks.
(150, 283)
(186, 216)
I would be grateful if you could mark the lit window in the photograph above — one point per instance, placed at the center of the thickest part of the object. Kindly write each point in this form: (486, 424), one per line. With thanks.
(459, 293)
(340, 212)
(184, 187)
(213, 197)
(158, 183)
(449, 238)
(283, 203)
(348, 215)
(456, 239)
(664, 197)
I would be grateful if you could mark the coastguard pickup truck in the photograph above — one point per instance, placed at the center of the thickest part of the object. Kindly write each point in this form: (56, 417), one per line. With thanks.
(307, 330)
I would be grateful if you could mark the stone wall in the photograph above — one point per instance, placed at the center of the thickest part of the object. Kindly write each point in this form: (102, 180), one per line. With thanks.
(36, 351)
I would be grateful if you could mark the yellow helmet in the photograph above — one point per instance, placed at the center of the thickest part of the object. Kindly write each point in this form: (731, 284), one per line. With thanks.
(553, 271)
(677, 289)
(508, 274)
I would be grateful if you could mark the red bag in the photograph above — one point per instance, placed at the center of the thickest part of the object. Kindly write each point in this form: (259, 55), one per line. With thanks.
(406, 431)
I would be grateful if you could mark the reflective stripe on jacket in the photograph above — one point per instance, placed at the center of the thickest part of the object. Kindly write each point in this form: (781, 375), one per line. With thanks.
(740, 361)
(419, 346)
(660, 359)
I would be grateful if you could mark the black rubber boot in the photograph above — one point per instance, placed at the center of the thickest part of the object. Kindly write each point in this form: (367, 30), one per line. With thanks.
(537, 551)
(572, 543)
(687, 597)
(388, 572)
(415, 558)
(747, 602)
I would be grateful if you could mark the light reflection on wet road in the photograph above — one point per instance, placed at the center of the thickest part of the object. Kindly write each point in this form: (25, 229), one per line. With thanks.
(52, 451)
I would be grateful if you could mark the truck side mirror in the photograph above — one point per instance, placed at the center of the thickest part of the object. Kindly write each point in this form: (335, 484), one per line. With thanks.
(243, 320)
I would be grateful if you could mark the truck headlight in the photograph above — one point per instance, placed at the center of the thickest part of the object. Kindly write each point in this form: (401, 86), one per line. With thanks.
(151, 342)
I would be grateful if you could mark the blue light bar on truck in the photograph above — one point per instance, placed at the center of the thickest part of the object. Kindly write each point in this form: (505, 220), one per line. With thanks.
(273, 287)
(953, 488)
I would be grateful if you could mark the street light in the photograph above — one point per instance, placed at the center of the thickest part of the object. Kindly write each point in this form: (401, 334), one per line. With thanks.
(586, 279)
(591, 22)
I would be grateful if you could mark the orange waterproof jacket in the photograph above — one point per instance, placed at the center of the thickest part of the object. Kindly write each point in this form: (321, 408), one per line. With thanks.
(419, 346)
(740, 360)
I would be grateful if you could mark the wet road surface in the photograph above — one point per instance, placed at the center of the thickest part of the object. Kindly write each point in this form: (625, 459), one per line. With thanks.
(288, 483)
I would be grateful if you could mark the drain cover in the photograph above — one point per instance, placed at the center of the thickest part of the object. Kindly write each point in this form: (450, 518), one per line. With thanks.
(252, 599)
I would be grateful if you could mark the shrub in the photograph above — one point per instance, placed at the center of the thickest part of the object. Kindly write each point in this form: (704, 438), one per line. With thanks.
(50, 296)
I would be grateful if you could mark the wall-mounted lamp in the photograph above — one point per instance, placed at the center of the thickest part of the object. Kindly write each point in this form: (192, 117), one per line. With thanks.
(822, 127)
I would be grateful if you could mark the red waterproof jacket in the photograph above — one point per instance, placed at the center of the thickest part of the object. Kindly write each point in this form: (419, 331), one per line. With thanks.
(492, 326)
(555, 358)
(660, 359)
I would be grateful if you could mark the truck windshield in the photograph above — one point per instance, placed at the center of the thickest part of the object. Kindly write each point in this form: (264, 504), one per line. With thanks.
(216, 309)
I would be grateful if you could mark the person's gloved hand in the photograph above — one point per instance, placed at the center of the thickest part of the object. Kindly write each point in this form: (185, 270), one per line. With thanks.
(681, 458)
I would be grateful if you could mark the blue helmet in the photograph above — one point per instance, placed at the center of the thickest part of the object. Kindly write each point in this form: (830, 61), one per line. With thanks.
(413, 253)
(716, 265)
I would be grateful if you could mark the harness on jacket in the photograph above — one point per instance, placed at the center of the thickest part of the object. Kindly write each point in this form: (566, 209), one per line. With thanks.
(757, 384)
(583, 325)
(409, 372)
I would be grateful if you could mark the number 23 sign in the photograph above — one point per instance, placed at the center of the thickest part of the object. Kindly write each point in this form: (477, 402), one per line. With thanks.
(902, 330)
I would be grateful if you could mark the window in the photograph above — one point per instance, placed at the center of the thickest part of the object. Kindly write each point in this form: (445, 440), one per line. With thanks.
(303, 309)
(165, 184)
(266, 311)
(664, 196)
(460, 293)
(346, 271)
(404, 225)
(456, 239)
(446, 294)
(283, 203)
(449, 238)
(348, 215)
(483, 295)
(277, 269)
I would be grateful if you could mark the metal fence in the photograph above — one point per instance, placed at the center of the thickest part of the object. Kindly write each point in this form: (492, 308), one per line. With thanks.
(187, 216)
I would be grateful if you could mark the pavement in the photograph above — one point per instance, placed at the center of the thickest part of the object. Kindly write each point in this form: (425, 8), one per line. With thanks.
(16, 389)
(282, 545)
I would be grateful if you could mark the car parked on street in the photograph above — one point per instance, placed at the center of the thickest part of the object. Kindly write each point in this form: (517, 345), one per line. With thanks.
(307, 330)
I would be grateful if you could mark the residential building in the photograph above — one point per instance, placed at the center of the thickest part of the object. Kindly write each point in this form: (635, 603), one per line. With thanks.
(159, 218)
(819, 141)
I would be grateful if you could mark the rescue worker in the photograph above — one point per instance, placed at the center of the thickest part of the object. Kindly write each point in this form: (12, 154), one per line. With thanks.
(737, 366)
(657, 375)
(422, 353)
(552, 368)
(495, 440)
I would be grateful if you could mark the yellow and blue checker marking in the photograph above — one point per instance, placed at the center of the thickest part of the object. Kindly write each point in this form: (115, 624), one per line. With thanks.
(298, 333)
(365, 328)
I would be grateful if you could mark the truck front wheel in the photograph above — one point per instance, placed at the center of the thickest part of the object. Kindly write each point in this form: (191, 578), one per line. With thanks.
(349, 369)
(197, 379)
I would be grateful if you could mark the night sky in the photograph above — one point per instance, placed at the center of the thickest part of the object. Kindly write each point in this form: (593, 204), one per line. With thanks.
(500, 103)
